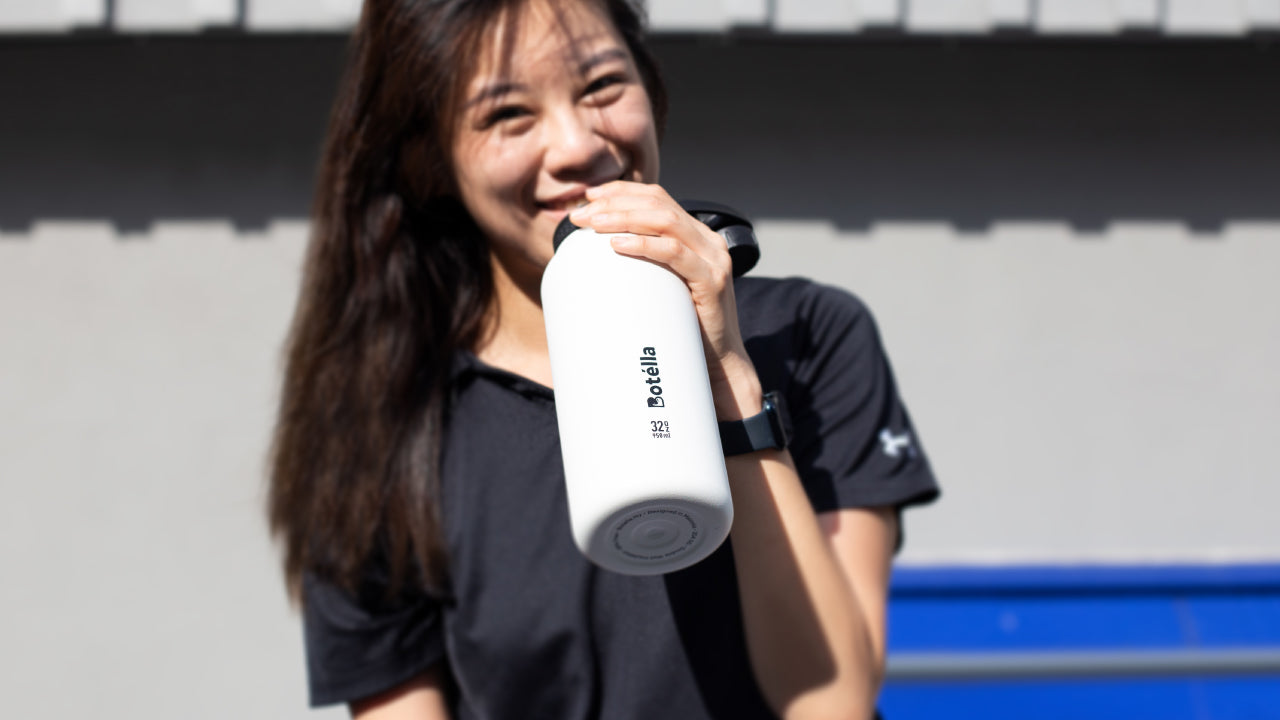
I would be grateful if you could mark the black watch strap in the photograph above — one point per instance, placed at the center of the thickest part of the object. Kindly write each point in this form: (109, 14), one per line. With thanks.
(758, 432)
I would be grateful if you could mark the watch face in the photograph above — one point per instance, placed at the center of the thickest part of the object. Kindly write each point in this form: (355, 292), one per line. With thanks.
(775, 409)
(767, 429)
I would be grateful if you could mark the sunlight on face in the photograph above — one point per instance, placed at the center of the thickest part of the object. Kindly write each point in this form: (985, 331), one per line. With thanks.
(556, 105)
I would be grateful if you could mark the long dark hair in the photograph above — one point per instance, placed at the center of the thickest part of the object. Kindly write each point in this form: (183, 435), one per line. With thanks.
(396, 281)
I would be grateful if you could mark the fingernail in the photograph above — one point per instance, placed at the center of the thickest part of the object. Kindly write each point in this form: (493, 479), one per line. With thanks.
(624, 242)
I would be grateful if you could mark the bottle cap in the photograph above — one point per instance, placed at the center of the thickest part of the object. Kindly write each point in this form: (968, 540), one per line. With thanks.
(563, 230)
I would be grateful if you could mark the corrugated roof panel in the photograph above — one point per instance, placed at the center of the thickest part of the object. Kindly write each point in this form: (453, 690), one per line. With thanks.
(948, 16)
(747, 12)
(1263, 13)
(150, 15)
(879, 13)
(50, 15)
(1205, 17)
(1010, 13)
(215, 12)
(837, 16)
(975, 17)
(84, 12)
(1138, 14)
(287, 15)
(1078, 17)
(687, 15)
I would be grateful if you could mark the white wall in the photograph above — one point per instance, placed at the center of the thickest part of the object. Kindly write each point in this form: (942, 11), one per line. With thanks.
(1103, 398)
(1070, 250)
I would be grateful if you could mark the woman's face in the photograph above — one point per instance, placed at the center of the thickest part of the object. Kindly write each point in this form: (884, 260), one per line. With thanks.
(556, 105)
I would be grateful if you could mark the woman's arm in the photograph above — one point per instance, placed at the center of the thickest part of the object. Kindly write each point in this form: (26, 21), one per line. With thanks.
(863, 540)
(813, 593)
(419, 699)
(813, 589)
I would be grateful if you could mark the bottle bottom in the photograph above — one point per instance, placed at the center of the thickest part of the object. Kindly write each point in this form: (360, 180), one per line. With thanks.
(658, 536)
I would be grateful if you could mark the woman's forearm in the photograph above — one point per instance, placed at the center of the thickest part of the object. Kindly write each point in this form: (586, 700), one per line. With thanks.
(422, 698)
(808, 636)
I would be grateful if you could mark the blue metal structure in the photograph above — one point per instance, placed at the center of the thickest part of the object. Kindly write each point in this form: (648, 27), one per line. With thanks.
(1094, 642)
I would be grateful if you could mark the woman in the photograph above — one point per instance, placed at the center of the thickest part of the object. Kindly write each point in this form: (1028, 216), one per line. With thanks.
(417, 486)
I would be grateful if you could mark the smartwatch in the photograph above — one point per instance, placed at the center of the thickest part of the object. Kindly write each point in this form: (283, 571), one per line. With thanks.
(758, 432)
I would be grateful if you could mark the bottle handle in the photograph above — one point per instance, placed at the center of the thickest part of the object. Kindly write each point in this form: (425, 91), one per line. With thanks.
(733, 226)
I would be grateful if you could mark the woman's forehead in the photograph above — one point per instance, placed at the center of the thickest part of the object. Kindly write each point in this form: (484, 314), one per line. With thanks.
(539, 34)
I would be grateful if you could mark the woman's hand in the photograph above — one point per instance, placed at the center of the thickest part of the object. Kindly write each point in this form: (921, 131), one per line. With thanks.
(653, 226)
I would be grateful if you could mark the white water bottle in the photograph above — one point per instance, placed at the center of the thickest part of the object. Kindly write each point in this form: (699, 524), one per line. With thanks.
(643, 466)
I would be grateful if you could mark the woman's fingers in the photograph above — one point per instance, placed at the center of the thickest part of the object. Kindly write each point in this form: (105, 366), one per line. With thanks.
(646, 223)
(697, 272)
(663, 236)
(647, 210)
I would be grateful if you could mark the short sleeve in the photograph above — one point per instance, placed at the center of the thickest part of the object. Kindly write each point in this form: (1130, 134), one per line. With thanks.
(852, 440)
(359, 644)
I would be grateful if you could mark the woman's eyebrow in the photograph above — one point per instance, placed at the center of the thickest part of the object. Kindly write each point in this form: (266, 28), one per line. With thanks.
(498, 89)
(493, 91)
(604, 56)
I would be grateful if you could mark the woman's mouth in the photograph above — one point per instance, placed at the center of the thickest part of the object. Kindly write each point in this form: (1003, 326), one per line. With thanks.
(563, 206)
(573, 200)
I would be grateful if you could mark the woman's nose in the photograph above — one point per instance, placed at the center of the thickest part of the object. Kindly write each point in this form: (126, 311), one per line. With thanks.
(575, 142)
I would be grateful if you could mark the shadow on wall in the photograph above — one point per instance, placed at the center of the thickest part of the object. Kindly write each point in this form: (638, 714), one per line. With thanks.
(134, 130)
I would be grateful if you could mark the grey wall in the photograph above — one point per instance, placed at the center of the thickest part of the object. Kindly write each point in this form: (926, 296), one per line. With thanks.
(1071, 249)
(970, 134)
(132, 130)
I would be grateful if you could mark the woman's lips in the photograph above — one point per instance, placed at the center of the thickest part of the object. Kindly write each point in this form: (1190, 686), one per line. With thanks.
(576, 200)
(563, 206)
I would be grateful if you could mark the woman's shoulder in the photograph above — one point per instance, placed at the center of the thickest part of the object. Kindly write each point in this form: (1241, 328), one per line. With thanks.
(767, 306)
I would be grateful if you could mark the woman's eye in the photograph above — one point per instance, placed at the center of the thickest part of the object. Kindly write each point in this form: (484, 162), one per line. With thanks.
(506, 112)
(602, 83)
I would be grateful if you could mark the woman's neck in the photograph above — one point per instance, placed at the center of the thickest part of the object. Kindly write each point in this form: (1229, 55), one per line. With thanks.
(515, 338)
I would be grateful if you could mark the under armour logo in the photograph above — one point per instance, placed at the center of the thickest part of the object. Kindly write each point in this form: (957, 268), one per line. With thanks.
(895, 444)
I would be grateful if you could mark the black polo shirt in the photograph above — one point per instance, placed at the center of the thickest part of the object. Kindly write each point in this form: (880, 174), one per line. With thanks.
(531, 629)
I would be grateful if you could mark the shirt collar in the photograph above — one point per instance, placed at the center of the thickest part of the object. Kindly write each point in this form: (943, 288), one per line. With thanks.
(466, 365)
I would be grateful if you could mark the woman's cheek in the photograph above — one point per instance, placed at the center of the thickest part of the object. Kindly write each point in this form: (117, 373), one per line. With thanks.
(634, 126)
(508, 164)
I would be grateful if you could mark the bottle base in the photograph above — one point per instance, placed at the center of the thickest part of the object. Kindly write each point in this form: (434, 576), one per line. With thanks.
(657, 536)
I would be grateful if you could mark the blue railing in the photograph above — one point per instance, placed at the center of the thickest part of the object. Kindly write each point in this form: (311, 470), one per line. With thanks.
(1128, 642)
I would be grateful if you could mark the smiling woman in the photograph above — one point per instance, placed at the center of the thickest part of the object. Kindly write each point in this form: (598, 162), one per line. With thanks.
(417, 485)
(557, 105)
